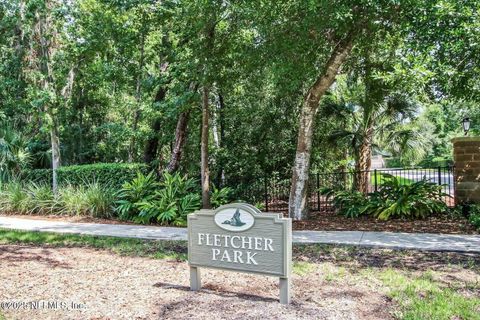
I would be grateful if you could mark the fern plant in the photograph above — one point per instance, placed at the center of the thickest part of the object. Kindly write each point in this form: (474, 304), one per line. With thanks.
(396, 199)
(349, 204)
(416, 200)
(220, 197)
(134, 193)
(169, 202)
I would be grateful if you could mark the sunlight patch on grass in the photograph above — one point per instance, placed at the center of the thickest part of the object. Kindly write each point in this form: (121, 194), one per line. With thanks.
(303, 268)
(420, 297)
(333, 273)
(381, 179)
(174, 250)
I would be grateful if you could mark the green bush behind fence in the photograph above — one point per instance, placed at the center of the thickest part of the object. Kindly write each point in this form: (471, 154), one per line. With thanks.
(107, 174)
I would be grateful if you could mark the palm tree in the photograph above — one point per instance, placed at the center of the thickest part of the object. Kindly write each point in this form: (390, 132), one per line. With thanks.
(373, 119)
(13, 153)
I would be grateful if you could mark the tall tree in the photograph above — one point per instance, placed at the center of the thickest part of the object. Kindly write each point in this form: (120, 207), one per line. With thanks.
(373, 119)
(360, 20)
(301, 169)
(47, 46)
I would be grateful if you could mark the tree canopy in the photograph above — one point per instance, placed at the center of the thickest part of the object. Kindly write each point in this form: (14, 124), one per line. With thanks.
(263, 86)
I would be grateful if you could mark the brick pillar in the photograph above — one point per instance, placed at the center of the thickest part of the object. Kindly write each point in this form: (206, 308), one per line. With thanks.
(466, 155)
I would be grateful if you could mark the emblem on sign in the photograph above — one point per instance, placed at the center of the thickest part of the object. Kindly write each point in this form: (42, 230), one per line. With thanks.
(234, 219)
(238, 237)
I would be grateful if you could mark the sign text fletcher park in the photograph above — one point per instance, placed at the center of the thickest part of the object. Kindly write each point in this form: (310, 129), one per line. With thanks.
(238, 237)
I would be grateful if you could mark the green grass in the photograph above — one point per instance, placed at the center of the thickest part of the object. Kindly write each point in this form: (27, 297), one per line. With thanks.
(302, 268)
(176, 250)
(381, 179)
(421, 297)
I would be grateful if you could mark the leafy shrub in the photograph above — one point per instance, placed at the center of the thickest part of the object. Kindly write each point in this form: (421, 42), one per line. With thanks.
(349, 204)
(33, 198)
(14, 155)
(39, 198)
(140, 189)
(101, 200)
(394, 200)
(105, 174)
(416, 200)
(71, 200)
(474, 217)
(475, 220)
(13, 198)
(260, 206)
(169, 202)
(91, 200)
(220, 196)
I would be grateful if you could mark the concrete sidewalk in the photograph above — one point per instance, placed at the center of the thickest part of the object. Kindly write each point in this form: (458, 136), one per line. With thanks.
(418, 241)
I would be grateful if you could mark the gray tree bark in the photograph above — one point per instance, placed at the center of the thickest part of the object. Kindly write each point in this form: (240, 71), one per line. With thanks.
(298, 208)
(205, 172)
(364, 163)
(47, 37)
(180, 139)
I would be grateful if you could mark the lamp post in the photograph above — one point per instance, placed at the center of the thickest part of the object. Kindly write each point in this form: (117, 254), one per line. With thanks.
(466, 125)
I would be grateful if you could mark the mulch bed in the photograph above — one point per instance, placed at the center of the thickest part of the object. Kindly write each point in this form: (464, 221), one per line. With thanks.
(339, 283)
(435, 224)
(108, 286)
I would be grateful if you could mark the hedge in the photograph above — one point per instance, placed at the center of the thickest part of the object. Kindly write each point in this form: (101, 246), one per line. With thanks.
(108, 174)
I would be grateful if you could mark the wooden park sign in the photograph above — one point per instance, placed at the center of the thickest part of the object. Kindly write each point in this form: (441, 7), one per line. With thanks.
(238, 237)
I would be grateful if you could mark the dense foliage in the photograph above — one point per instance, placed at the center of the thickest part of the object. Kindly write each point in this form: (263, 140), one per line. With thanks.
(106, 81)
(474, 216)
(419, 199)
(90, 200)
(112, 175)
(395, 199)
(145, 200)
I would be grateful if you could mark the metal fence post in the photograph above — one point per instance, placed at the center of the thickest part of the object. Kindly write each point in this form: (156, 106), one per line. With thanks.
(266, 194)
(440, 181)
(375, 179)
(439, 176)
(452, 184)
(318, 191)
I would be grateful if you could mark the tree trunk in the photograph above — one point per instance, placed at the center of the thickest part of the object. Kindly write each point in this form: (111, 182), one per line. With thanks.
(55, 157)
(364, 162)
(47, 37)
(364, 156)
(151, 147)
(180, 138)
(204, 152)
(298, 192)
(207, 81)
(221, 123)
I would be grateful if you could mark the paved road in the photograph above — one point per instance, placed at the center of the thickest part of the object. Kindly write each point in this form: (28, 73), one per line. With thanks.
(419, 241)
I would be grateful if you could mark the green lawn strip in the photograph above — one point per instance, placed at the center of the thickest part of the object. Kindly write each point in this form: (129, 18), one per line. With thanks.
(421, 297)
(176, 250)
(381, 179)
(302, 268)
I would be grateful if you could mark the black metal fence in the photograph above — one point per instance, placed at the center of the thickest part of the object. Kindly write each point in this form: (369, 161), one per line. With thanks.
(272, 192)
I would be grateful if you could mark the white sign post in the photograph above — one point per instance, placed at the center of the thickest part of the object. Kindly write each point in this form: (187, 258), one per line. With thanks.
(238, 237)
